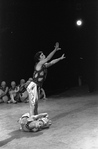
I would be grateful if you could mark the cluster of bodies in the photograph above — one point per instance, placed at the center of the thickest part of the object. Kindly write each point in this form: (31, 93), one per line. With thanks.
(15, 93)
(32, 121)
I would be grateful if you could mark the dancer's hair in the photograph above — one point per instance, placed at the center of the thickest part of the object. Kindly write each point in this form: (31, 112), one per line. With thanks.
(37, 56)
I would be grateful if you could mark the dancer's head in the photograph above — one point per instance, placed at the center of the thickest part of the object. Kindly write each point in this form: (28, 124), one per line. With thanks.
(3, 84)
(39, 56)
(30, 79)
(22, 81)
(35, 125)
(13, 84)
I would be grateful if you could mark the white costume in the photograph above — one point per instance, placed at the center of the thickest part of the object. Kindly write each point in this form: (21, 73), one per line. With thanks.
(33, 96)
(30, 121)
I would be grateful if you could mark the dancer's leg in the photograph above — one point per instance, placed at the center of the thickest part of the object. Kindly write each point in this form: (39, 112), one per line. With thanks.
(36, 101)
(44, 94)
(33, 98)
(12, 98)
(5, 99)
(36, 108)
(41, 115)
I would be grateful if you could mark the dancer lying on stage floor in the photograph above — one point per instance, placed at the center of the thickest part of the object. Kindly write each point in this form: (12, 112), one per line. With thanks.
(40, 72)
(34, 123)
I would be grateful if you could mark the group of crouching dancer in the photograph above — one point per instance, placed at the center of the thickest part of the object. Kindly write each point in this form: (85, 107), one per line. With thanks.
(16, 94)
(12, 94)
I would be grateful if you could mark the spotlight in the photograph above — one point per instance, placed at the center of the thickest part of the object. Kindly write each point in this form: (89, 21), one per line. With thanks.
(79, 22)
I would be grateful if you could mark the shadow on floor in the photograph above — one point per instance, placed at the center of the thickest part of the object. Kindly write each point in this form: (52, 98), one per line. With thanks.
(17, 134)
(72, 112)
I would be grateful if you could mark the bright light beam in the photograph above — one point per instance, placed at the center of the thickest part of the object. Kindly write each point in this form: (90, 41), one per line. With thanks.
(79, 22)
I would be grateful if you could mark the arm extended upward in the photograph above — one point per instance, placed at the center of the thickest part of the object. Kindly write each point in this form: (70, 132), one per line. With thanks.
(55, 61)
(51, 54)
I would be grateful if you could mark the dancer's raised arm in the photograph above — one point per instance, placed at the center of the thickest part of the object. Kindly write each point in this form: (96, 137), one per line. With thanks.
(43, 61)
(55, 61)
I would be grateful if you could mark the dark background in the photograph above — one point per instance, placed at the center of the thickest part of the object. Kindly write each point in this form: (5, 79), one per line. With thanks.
(29, 26)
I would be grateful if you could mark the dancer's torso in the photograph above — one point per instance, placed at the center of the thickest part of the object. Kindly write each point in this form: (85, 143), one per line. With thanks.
(3, 89)
(40, 75)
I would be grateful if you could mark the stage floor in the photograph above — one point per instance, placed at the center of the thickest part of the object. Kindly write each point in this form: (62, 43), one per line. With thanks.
(74, 116)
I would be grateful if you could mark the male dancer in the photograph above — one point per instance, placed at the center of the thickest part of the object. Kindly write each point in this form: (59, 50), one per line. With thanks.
(40, 74)
(33, 86)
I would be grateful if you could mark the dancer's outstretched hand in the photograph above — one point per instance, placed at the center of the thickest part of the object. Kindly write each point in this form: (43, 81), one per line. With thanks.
(57, 46)
(63, 56)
